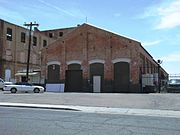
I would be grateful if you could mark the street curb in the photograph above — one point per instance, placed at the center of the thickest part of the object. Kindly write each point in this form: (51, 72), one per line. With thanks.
(42, 106)
(104, 110)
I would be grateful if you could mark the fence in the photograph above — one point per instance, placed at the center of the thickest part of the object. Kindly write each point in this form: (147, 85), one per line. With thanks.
(153, 79)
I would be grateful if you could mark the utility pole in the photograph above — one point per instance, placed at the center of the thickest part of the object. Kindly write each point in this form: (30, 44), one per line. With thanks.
(29, 47)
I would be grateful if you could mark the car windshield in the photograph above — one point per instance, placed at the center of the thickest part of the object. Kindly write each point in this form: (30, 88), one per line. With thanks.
(8, 83)
(174, 81)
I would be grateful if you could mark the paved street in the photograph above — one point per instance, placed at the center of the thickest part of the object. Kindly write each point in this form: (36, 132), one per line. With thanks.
(163, 101)
(101, 113)
(18, 121)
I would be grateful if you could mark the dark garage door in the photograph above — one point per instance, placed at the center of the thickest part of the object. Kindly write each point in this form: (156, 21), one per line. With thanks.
(74, 78)
(53, 74)
(121, 77)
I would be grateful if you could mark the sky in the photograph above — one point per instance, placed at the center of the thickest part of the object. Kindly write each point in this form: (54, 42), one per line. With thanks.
(154, 23)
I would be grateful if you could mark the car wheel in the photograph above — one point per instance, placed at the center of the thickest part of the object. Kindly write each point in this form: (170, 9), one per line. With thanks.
(13, 90)
(36, 90)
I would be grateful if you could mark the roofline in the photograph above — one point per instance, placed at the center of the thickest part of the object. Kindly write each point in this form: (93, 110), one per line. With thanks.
(58, 29)
(14, 24)
(152, 57)
(23, 27)
(109, 31)
(146, 51)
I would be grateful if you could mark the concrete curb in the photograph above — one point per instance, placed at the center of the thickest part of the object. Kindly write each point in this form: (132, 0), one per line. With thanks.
(42, 106)
(105, 110)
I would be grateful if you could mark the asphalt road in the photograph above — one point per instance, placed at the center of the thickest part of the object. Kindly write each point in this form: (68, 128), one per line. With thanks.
(160, 101)
(22, 121)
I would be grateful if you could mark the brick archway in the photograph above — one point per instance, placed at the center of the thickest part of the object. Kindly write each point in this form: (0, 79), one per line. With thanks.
(121, 77)
(74, 79)
(53, 75)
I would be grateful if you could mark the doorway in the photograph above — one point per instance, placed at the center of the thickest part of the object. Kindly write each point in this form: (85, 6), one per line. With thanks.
(96, 84)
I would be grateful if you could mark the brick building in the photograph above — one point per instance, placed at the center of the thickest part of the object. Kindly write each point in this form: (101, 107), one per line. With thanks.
(84, 58)
(89, 59)
(13, 52)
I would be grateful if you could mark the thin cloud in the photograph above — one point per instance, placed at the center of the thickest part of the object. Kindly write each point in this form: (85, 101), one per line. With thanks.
(174, 57)
(151, 43)
(173, 40)
(12, 15)
(149, 12)
(165, 16)
(116, 14)
(169, 16)
(73, 13)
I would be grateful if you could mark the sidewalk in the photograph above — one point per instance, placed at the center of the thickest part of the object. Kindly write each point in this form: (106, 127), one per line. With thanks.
(105, 110)
(150, 104)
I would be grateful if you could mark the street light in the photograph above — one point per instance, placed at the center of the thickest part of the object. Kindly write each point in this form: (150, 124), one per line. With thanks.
(159, 78)
(29, 47)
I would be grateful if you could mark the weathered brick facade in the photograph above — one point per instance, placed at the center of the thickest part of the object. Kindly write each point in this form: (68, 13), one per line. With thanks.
(84, 58)
(13, 51)
(86, 45)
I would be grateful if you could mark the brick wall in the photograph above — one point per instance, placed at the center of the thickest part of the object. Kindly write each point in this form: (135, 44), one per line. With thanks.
(88, 43)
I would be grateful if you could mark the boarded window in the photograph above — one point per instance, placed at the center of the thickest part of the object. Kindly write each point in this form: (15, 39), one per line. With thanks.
(50, 35)
(23, 37)
(34, 41)
(44, 43)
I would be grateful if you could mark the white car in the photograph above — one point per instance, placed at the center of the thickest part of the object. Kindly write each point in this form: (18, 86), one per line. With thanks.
(173, 85)
(1, 84)
(24, 86)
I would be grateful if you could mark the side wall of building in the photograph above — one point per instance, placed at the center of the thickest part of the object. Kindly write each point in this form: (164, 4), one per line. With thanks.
(14, 50)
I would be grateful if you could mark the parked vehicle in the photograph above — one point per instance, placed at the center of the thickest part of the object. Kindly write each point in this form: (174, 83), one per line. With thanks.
(8, 83)
(23, 86)
(1, 84)
(173, 85)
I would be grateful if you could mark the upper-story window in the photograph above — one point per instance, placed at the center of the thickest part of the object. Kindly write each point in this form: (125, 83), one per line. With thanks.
(60, 34)
(50, 35)
(34, 41)
(44, 43)
(9, 34)
(23, 37)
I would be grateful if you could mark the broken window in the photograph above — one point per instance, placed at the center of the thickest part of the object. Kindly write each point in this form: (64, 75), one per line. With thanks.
(9, 34)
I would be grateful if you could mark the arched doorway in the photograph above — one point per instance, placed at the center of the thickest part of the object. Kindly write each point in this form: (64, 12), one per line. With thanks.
(96, 77)
(121, 77)
(74, 78)
(53, 75)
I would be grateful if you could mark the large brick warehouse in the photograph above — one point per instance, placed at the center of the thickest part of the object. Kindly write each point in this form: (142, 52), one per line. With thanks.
(89, 59)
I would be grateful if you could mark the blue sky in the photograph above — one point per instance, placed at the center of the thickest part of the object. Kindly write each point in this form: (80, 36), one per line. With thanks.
(155, 23)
